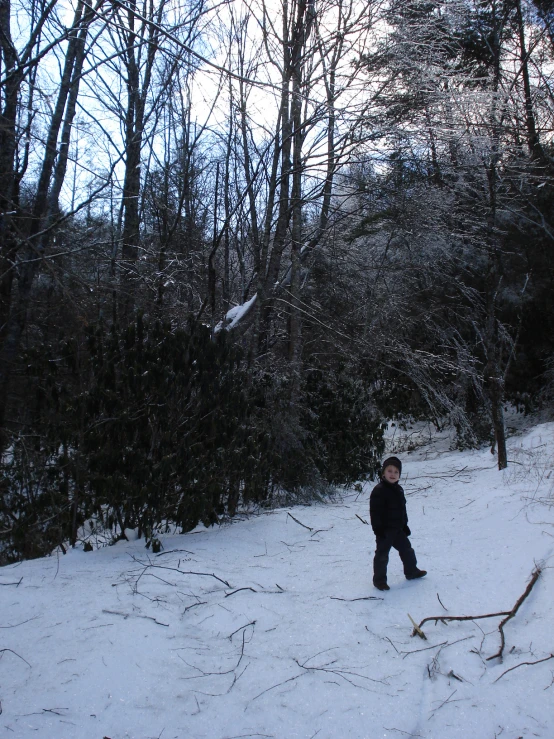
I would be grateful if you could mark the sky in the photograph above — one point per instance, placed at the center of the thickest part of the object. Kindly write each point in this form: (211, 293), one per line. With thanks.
(270, 626)
(97, 136)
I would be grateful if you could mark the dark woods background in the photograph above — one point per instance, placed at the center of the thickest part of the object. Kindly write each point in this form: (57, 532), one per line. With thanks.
(387, 197)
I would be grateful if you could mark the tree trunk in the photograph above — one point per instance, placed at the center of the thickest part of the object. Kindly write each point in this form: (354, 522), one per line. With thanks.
(533, 141)
(494, 383)
(32, 253)
(137, 92)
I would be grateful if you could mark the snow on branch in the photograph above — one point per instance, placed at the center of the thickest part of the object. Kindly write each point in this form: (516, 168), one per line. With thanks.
(235, 315)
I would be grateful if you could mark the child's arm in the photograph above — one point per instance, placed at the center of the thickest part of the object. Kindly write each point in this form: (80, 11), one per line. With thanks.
(377, 512)
(406, 528)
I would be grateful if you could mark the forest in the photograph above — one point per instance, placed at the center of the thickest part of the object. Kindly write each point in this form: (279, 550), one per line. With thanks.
(238, 238)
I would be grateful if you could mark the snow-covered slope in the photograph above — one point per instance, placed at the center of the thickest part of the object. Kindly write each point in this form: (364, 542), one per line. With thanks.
(270, 627)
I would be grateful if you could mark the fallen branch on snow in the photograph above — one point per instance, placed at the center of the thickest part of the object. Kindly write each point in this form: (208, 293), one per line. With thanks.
(444, 619)
(513, 612)
(509, 614)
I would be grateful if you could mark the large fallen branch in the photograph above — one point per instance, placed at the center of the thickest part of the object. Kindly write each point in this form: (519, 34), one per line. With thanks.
(509, 614)
(513, 612)
(444, 619)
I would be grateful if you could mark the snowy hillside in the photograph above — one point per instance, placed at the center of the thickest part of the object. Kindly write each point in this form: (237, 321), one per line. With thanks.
(270, 627)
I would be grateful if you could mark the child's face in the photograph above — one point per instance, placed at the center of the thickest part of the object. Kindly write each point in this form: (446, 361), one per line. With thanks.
(391, 473)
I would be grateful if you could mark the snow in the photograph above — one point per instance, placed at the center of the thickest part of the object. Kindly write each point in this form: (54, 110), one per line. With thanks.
(296, 642)
(235, 315)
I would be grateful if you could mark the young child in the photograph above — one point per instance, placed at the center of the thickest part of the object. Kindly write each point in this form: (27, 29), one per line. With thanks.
(389, 521)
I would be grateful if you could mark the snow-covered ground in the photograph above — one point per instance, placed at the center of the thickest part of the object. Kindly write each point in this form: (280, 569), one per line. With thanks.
(270, 627)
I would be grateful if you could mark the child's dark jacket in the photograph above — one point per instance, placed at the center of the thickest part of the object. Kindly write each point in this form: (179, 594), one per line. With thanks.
(387, 508)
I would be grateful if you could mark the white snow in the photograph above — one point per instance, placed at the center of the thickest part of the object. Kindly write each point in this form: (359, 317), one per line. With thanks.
(234, 315)
(122, 643)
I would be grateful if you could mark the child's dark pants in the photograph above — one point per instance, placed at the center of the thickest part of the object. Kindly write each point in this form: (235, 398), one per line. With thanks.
(401, 543)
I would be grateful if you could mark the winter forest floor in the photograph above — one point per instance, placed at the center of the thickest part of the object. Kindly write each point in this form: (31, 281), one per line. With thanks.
(270, 626)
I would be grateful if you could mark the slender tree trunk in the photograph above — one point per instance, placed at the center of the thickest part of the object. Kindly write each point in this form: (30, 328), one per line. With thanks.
(8, 195)
(285, 138)
(131, 184)
(211, 258)
(494, 383)
(31, 254)
(296, 209)
(137, 92)
(533, 141)
(227, 207)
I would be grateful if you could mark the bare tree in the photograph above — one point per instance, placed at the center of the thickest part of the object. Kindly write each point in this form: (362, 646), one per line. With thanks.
(25, 239)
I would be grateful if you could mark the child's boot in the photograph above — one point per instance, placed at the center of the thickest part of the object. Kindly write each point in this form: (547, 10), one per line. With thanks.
(380, 585)
(416, 574)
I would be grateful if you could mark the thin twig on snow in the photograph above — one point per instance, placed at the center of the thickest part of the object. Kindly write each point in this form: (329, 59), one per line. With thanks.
(16, 654)
(300, 522)
(238, 591)
(230, 637)
(444, 703)
(289, 680)
(521, 665)
(342, 674)
(441, 645)
(149, 565)
(172, 551)
(193, 605)
(393, 644)
(353, 600)
(12, 626)
(134, 615)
